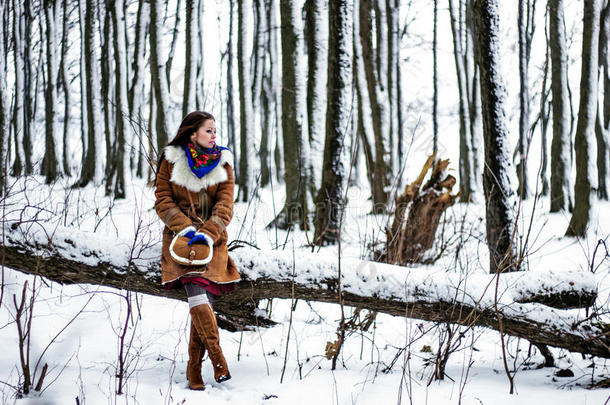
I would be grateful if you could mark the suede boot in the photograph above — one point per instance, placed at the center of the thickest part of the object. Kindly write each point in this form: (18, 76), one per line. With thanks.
(193, 368)
(202, 316)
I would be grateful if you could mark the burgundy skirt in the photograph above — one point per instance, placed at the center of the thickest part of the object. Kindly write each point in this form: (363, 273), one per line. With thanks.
(210, 286)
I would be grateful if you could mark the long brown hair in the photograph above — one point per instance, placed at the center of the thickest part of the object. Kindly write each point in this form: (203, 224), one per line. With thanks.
(189, 125)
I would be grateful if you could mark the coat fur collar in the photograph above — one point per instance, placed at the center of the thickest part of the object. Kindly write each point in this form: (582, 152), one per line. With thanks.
(183, 176)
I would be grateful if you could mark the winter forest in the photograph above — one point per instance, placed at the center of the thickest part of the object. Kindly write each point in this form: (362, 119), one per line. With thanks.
(420, 211)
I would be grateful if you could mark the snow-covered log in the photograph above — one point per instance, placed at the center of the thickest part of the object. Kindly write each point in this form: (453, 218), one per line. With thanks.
(520, 299)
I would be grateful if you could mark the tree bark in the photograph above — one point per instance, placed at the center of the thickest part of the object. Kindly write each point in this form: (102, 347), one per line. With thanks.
(122, 172)
(136, 90)
(159, 79)
(92, 167)
(376, 96)
(19, 63)
(602, 129)
(560, 144)
(316, 40)
(466, 164)
(246, 139)
(192, 56)
(586, 178)
(50, 162)
(4, 103)
(294, 125)
(55, 260)
(527, 9)
(434, 79)
(500, 220)
(329, 201)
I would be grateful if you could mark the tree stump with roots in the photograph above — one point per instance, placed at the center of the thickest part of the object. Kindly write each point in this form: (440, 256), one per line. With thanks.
(410, 240)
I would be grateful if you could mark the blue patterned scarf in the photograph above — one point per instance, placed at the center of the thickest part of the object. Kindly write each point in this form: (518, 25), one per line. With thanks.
(202, 160)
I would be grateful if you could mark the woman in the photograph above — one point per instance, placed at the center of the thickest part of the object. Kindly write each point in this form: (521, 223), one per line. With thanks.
(194, 198)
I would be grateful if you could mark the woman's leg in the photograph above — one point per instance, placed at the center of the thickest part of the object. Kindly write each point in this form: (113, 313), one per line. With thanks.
(196, 348)
(204, 321)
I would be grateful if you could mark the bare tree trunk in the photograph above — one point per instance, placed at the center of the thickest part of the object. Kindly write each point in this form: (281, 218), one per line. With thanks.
(18, 121)
(395, 128)
(192, 55)
(136, 91)
(602, 129)
(92, 167)
(246, 139)
(560, 145)
(474, 98)
(28, 88)
(434, 80)
(230, 88)
(159, 79)
(258, 57)
(172, 46)
(269, 92)
(4, 101)
(586, 178)
(316, 40)
(108, 101)
(496, 179)
(294, 125)
(527, 9)
(122, 173)
(65, 82)
(50, 163)
(201, 95)
(466, 158)
(545, 115)
(380, 186)
(329, 201)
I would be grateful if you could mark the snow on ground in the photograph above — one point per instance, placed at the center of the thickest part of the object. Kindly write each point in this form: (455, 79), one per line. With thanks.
(389, 362)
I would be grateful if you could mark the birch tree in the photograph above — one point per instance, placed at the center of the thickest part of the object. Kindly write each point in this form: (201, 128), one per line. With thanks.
(586, 176)
(329, 201)
(560, 144)
(499, 205)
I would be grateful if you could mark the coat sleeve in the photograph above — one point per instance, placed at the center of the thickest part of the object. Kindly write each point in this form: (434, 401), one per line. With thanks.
(222, 210)
(166, 207)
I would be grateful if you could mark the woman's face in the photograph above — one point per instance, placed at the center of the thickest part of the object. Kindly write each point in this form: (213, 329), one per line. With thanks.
(206, 134)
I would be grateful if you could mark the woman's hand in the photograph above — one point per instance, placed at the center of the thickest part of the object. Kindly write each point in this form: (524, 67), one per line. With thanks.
(200, 237)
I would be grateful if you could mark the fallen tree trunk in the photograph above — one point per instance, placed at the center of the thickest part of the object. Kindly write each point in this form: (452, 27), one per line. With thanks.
(69, 256)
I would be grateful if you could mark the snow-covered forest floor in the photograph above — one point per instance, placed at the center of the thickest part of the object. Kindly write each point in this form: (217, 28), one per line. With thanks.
(392, 361)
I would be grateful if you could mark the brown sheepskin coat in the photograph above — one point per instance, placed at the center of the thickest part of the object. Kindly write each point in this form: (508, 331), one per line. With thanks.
(212, 197)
